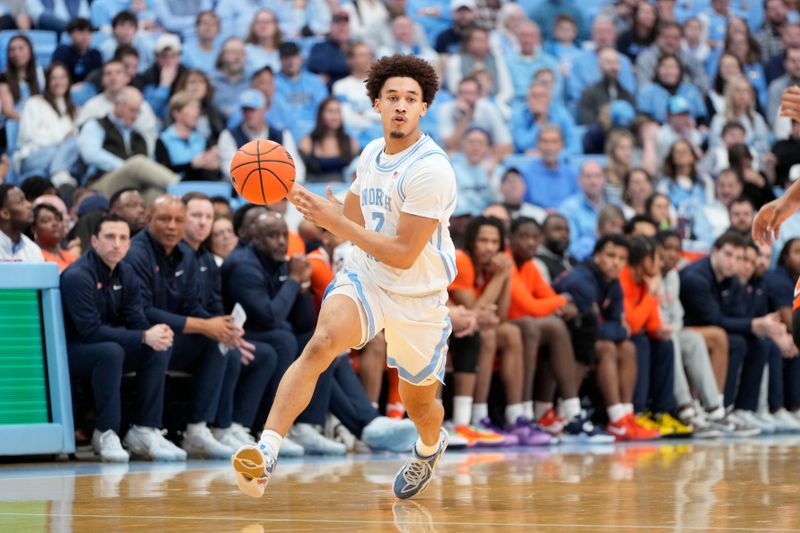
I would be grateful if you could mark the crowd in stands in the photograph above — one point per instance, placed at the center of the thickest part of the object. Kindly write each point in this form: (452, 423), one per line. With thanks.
(610, 159)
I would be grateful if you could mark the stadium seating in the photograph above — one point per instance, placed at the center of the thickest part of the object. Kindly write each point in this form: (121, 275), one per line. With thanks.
(211, 188)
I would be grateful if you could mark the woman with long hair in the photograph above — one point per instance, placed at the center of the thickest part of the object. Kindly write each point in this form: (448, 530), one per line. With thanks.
(687, 188)
(642, 33)
(619, 151)
(741, 43)
(48, 232)
(263, 39)
(21, 79)
(211, 121)
(637, 188)
(740, 106)
(652, 99)
(660, 209)
(729, 68)
(328, 149)
(756, 185)
(47, 144)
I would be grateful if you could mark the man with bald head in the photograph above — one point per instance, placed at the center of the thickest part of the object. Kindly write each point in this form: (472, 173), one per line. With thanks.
(586, 65)
(606, 90)
(274, 292)
(169, 276)
(117, 154)
(581, 209)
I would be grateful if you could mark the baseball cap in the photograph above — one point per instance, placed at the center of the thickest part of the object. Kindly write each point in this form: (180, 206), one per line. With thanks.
(455, 5)
(252, 99)
(288, 49)
(678, 104)
(168, 40)
(95, 202)
(622, 113)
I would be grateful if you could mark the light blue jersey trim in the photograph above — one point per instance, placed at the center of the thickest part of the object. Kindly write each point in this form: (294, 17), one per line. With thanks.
(436, 360)
(352, 276)
(395, 164)
(401, 181)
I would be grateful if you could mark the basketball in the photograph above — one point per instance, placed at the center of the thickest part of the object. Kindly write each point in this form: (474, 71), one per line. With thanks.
(262, 172)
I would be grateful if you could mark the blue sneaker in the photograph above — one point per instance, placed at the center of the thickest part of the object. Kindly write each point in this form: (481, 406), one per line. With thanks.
(385, 433)
(253, 466)
(581, 430)
(416, 475)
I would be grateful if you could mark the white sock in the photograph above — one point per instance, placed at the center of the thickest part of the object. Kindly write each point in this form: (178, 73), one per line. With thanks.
(628, 408)
(513, 412)
(462, 409)
(479, 412)
(527, 410)
(540, 408)
(571, 407)
(194, 428)
(273, 441)
(721, 400)
(423, 450)
(615, 412)
(374, 404)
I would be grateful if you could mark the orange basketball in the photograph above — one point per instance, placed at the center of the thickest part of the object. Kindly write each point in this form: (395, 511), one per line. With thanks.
(262, 172)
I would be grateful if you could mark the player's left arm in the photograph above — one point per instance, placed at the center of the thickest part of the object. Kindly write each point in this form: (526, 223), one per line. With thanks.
(397, 251)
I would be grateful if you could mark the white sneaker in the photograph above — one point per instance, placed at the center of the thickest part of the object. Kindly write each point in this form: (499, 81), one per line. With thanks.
(698, 420)
(242, 433)
(149, 443)
(234, 436)
(313, 442)
(751, 418)
(787, 422)
(108, 447)
(335, 430)
(199, 442)
(734, 426)
(290, 448)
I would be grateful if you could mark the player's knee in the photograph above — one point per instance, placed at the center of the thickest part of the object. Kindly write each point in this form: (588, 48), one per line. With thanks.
(320, 349)
(509, 335)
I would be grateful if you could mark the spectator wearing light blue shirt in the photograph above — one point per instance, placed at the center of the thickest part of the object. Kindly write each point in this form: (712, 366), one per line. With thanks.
(527, 118)
(298, 91)
(264, 81)
(54, 14)
(545, 12)
(179, 16)
(236, 16)
(229, 78)
(548, 178)
(582, 208)
(530, 59)
(263, 40)
(201, 51)
(652, 99)
(124, 31)
(435, 16)
(472, 175)
(586, 66)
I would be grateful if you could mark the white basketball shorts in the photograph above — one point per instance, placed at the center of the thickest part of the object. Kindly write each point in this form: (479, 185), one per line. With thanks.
(416, 327)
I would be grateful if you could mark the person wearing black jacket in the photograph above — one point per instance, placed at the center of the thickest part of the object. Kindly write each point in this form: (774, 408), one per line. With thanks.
(712, 295)
(168, 273)
(108, 334)
(280, 311)
(552, 256)
(248, 371)
(599, 333)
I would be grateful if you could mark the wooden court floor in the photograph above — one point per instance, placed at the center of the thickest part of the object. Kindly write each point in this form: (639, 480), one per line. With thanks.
(744, 485)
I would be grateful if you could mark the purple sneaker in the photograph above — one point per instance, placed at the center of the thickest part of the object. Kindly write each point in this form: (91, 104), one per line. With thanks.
(528, 434)
(509, 439)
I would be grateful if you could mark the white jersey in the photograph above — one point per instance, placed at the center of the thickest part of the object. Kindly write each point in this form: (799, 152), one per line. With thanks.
(419, 181)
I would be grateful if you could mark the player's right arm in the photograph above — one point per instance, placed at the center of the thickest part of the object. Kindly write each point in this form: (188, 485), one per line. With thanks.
(352, 208)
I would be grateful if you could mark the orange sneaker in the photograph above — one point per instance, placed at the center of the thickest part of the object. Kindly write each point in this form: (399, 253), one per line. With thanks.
(480, 437)
(551, 422)
(639, 432)
(619, 429)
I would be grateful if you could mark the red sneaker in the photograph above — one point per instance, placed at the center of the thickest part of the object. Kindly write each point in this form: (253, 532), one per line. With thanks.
(619, 429)
(551, 422)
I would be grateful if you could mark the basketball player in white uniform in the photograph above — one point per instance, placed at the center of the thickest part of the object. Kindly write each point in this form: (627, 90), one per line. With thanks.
(396, 214)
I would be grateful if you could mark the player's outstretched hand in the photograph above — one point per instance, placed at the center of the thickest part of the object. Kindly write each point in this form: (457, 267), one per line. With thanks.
(790, 103)
(324, 212)
(767, 223)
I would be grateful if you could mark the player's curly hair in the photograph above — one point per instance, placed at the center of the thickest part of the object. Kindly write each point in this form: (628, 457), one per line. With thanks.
(404, 66)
